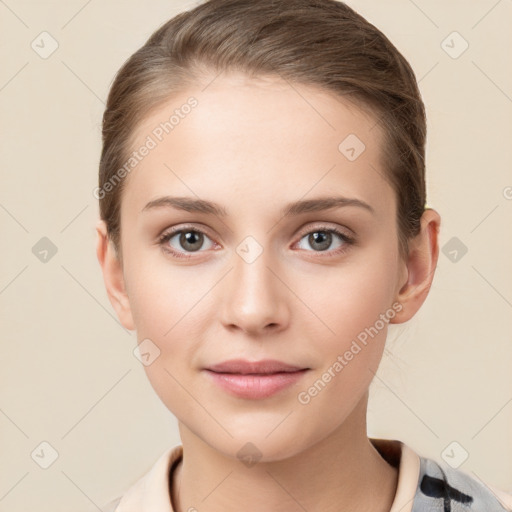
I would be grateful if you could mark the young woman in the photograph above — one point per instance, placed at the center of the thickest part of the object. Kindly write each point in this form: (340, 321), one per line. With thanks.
(263, 221)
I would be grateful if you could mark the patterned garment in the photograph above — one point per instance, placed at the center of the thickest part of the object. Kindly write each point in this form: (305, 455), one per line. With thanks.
(444, 489)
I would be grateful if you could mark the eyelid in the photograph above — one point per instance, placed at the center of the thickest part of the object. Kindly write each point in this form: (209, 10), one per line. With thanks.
(184, 227)
(324, 226)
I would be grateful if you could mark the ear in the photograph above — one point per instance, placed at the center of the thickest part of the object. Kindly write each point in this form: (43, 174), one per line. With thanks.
(420, 267)
(113, 276)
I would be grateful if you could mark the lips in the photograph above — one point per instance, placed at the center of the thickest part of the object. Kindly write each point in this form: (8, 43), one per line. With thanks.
(264, 367)
(254, 380)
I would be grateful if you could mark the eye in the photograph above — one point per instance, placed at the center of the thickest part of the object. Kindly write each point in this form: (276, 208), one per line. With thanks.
(322, 238)
(180, 241)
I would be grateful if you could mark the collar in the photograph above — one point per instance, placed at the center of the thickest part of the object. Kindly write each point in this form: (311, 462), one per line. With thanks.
(151, 492)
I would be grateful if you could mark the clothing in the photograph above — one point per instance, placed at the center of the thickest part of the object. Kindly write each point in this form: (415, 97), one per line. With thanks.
(424, 485)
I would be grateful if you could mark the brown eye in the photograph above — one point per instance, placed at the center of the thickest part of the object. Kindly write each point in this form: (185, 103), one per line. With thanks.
(179, 242)
(191, 240)
(321, 240)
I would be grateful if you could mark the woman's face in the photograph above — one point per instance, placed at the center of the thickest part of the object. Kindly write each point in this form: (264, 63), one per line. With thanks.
(259, 280)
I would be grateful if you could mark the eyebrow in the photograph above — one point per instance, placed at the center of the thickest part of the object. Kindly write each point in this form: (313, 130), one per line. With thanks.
(190, 204)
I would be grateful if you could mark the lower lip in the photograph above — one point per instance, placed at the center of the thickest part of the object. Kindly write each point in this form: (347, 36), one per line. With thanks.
(255, 386)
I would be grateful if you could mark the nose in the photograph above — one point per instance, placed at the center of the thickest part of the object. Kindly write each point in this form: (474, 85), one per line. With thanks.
(255, 296)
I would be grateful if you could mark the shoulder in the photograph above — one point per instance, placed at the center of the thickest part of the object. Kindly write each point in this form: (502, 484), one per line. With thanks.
(150, 491)
(445, 489)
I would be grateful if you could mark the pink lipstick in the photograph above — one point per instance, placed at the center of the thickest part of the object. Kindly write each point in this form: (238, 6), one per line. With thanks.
(254, 380)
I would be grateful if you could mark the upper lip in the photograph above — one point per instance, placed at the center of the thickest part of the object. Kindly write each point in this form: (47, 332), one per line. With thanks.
(242, 366)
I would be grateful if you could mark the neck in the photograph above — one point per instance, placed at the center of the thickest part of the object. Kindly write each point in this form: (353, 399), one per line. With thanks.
(341, 472)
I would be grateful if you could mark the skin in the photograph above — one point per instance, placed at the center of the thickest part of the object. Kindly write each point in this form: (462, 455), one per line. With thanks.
(254, 145)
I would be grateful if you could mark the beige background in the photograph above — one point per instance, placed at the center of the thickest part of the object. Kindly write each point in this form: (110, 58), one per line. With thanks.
(68, 373)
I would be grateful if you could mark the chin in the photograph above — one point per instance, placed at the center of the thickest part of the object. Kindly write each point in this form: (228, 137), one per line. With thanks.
(252, 444)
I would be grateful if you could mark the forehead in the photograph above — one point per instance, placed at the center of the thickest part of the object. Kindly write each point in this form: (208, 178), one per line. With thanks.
(260, 137)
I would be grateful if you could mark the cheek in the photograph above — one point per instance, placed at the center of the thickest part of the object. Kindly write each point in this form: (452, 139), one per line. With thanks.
(355, 303)
(358, 311)
(344, 301)
(165, 303)
(160, 294)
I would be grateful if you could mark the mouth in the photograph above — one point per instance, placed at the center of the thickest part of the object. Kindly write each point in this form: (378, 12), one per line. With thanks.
(264, 367)
(254, 380)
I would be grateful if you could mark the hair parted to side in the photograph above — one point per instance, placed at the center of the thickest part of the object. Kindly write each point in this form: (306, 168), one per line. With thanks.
(312, 42)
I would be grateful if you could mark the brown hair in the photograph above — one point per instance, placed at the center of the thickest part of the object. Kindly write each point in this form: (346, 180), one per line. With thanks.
(312, 42)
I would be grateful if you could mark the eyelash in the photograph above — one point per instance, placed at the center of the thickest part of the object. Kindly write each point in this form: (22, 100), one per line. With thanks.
(348, 241)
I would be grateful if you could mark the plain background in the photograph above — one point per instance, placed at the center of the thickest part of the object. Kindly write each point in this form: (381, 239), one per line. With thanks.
(68, 373)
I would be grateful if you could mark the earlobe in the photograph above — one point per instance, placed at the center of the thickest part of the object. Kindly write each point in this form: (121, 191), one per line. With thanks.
(113, 276)
(421, 266)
